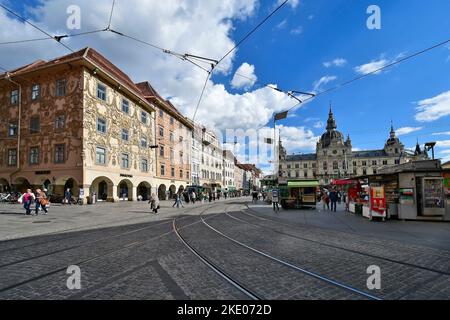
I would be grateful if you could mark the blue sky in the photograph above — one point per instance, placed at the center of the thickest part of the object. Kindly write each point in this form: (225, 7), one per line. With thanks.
(301, 44)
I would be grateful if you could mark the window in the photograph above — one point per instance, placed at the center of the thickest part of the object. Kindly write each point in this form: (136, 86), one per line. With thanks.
(101, 92)
(181, 174)
(172, 172)
(305, 166)
(61, 88)
(60, 122)
(161, 131)
(335, 165)
(163, 170)
(125, 106)
(385, 162)
(101, 125)
(60, 153)
(297, 166)
(325, 166)
(181, 139)
(12, 130)
(314, 165)
(172, 155)
(12, 157)
(14, 97)
(125, 135)
(161, 151)
(100, 157)
(289, 166)
(396, 150)
(35, 125)
(172, 120)
(144, 165)
(34, 155)
(171, 137)
(364, 172)
(144, 142)
(161, 114)
(125, 161)
(144, 117)
(374, 162)
(364, 163)
(35, 92)
(354, 163)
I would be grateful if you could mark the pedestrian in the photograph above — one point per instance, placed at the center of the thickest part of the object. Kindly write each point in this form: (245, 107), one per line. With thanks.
(275, 201)
(40, 202)
(68, 197)
(193, 197)
(27, 198)
(154, 203)
(333, 199)
(178, 201)
(325, 201)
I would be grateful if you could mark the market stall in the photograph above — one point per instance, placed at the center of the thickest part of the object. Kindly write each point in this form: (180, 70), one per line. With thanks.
(299, 194)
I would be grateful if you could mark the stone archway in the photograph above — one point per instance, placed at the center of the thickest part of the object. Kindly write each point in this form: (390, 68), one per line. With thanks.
(102, 187)
(72, 184)
(144, 190)
(162, 192)
(4, 186)
(21, 185)
(172, 191)
(125, 190)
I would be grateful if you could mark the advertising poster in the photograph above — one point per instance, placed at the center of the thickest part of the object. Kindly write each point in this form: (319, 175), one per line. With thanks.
(378, 199)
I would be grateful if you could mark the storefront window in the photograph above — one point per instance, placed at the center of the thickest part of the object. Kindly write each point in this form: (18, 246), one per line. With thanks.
(433, 193)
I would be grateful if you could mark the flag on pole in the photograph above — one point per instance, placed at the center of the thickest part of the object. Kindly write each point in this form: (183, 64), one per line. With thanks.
(281, 115)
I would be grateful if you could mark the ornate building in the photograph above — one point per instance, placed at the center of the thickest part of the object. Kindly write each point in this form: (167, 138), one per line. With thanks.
(335, 158)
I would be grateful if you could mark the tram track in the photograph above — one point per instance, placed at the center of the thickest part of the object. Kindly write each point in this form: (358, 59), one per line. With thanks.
(370, 240)
(282, 263)
(440, 272)
(131, 244)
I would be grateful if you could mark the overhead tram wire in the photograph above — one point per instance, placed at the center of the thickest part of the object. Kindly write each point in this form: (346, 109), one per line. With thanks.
(111, 15)
(346, 83)
(36, 27)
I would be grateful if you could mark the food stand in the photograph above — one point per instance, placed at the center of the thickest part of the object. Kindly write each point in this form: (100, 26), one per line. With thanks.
(299, 194)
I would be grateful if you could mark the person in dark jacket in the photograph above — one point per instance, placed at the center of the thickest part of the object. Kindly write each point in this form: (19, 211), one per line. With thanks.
(334, 199)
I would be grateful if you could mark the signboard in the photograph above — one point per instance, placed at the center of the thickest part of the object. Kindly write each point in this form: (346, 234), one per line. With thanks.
(407, 196)
(81, 193)
(378, 199)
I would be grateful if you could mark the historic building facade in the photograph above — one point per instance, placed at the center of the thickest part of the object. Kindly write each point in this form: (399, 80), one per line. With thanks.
(76, 122)
(173, 136)
(335, 158)
(228, 181)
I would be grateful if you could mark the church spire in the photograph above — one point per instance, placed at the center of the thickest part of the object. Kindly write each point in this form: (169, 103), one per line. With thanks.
(392, 130)
(331, 123)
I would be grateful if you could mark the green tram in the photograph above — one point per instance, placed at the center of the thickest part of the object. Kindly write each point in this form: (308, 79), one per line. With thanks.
(299, 194)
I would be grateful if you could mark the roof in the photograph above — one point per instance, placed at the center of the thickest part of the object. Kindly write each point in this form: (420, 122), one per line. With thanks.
(87, 54)
(303, 184)
(370, 154)
(302, 157)
(152, 95)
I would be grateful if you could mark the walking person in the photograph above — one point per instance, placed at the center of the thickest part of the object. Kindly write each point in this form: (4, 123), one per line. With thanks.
(178, 201)
(154, 203)
(325, 202)
(275, 201)
(27, 199)
(333, 199)
(68, 197)
(40, 202)
(193, 197)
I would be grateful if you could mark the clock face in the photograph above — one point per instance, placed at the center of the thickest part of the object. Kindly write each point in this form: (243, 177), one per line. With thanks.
(335, 152)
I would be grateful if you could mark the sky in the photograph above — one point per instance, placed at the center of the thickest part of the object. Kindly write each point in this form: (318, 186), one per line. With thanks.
(308, 45)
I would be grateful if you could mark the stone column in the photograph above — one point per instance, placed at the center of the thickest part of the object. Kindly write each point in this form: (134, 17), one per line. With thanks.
(86, 190)
(115, 197)
(133, 195)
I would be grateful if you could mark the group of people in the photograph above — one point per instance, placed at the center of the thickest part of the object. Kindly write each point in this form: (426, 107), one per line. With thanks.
(40, 200)
(332, 197)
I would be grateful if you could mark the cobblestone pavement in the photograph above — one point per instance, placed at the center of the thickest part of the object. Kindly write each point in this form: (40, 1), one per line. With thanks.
(126, 253)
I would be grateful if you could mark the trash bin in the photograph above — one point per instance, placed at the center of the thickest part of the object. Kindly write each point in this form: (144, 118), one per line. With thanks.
(358, 209)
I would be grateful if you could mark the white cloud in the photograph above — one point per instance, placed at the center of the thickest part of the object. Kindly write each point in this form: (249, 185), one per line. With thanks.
(282, 24)
(338, 62)
(244, 77)
(445, 152)
(199, 27)
(441, 133)
(432, 109)
(407, 130)
(297, 31)
(371, 66)
(319, 125)
(322, 81)
(298, 139)
(293, 3)
(443, 144)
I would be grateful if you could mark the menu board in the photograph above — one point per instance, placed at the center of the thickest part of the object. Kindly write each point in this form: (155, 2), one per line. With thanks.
(433, 193)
